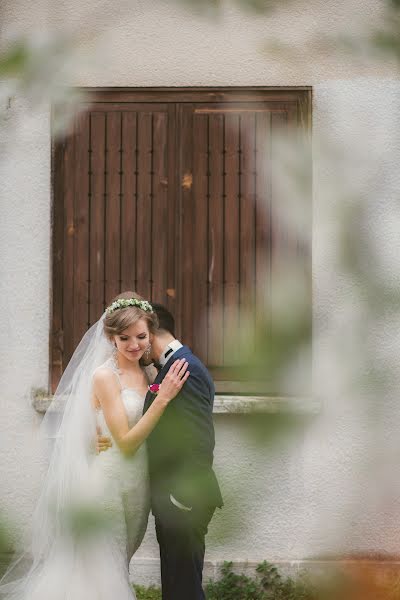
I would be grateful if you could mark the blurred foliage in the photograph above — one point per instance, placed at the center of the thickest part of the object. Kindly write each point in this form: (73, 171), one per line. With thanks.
(85, 521)
(215, 6)
(267, 584)
(355, 581)
(388, 40)
(274, 429)
(33, 60)
(15, 60)
(147, 593)
(5, 547)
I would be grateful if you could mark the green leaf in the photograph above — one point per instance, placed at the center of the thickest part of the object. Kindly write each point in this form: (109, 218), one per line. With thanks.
(14, 61)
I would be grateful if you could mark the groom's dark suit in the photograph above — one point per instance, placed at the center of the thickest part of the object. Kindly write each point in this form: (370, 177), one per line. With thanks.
(180, 453)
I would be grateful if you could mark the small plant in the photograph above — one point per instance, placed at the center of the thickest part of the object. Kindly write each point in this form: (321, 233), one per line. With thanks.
(267, 584)
(232, 586)
(151, 593)
(277, 587)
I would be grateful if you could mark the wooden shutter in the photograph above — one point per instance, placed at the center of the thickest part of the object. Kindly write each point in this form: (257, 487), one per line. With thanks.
(170, 193)
(111, 194)
(231, 236)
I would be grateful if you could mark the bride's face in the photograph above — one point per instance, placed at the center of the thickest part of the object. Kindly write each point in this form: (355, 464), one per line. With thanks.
(134, 340)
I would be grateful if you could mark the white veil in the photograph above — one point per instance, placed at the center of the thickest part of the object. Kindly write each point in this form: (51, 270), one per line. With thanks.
(58, 558)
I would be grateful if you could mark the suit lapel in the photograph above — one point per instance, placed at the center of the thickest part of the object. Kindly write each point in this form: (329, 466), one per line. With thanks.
(162, 373)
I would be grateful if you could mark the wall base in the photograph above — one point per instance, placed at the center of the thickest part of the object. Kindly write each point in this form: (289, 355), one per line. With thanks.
(146, 571)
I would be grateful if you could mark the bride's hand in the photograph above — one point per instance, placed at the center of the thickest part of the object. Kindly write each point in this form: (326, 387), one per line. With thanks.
(173, 381)
(103, 443)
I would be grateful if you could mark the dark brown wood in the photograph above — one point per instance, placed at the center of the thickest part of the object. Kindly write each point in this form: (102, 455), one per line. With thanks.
(81, 234)
(128, 201)
(173, 222)
(200, 234)
(144, 204)
(97, 208)
(185, 301)
(172, 193)
(159, 231)
(231, 238)
(69, 247)
(112, 225)
(195, 94)
(216, 241)
(56, 345)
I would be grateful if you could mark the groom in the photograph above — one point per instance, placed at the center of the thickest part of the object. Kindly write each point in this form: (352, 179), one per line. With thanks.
(184, 488)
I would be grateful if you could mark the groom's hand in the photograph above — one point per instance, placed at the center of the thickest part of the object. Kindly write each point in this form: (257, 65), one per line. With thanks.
(103, 442)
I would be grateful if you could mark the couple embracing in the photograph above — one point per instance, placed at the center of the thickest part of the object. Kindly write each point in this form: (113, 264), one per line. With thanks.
(155, 442)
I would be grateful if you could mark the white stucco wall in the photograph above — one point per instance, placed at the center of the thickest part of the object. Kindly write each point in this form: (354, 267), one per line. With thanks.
(304, 496)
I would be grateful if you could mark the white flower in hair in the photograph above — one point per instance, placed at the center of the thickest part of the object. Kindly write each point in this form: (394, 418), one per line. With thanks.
(126, 302)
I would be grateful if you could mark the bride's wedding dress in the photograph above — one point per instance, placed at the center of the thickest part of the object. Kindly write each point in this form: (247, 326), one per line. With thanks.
(126, 496)
(95, 565)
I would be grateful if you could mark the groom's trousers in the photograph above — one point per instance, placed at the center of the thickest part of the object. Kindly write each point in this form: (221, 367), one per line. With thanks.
(180, 535)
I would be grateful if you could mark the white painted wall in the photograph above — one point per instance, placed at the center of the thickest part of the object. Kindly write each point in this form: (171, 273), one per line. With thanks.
(334, 485)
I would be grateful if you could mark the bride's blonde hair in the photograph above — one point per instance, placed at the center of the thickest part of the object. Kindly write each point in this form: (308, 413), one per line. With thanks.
(117, 321)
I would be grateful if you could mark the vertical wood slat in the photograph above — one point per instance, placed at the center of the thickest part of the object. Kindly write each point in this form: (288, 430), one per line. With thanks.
(144, 204)
(279, 237)
(216, 229)
(263, 231)
(185, 315)
(98, 124)
(68, 258)
(81, 234)
(112, 211)
(200, 230)
(280, 241)
(293, 136)
(128, 201)
(231, 237)
(159, 212)
(58, 275)
(247, 214)
(172, 223)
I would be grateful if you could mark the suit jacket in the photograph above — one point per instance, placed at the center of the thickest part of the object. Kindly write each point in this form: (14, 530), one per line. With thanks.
(180, 448)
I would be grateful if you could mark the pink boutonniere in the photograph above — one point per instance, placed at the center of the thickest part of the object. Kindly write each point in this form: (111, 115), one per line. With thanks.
(154, 388)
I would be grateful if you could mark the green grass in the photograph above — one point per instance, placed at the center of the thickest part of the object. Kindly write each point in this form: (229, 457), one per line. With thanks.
(150, 593)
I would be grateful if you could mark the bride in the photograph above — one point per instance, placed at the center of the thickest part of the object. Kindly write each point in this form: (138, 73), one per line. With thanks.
(93, 508)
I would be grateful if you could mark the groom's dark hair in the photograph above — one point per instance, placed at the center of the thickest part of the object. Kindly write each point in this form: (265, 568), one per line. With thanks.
(165, 319)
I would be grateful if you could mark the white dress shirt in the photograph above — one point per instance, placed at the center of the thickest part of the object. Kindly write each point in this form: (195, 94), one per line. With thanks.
(166, 355)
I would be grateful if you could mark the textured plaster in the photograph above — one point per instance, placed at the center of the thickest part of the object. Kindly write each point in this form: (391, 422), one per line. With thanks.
(291, 500)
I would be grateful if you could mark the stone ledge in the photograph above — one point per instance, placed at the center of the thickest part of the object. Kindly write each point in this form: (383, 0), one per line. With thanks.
(226, 404)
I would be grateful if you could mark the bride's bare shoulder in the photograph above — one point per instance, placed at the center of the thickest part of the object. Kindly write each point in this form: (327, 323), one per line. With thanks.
(103, 376)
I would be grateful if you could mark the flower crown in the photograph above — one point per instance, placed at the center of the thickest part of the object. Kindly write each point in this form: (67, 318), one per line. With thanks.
(124, 303)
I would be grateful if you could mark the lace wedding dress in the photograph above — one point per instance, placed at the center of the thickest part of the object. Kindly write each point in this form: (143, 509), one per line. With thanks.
(126, 494)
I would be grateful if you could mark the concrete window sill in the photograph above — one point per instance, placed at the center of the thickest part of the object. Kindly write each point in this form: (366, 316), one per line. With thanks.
(225, 404)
